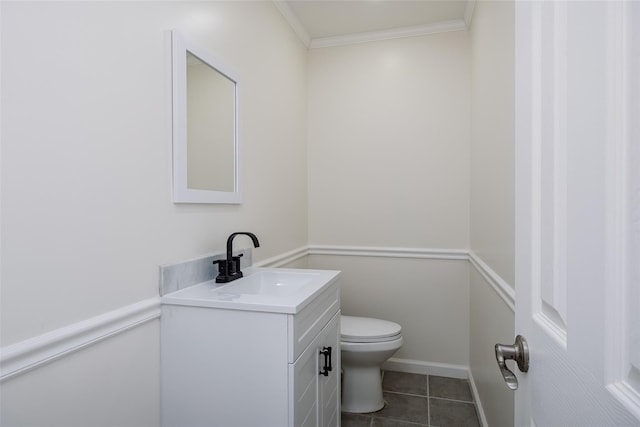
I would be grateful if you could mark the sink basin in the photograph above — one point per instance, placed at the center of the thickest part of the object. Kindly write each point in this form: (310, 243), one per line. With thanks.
(268, 283)
(261, 289)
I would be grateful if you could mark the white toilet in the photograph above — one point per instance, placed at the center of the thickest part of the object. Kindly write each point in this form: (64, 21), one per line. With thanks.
(365, 345)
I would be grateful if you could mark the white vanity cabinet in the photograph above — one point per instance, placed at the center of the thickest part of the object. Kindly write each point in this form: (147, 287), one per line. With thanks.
(314, 390)
(227, 367)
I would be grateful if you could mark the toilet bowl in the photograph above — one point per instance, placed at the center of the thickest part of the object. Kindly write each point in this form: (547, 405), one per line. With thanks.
(365, 344)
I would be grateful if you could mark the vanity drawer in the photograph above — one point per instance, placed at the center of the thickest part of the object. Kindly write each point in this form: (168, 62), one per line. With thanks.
(304, 326)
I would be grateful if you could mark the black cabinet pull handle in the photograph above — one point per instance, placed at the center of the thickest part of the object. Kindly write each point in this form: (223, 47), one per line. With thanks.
(326, 352)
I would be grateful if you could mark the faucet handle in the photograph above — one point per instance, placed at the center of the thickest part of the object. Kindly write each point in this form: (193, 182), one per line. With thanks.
(235, 265)
(223, 266)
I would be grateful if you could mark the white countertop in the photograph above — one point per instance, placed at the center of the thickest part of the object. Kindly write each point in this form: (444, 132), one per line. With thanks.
(277, 290)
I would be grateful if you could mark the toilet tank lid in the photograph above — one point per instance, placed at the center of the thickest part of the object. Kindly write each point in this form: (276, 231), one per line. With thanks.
(352, 328)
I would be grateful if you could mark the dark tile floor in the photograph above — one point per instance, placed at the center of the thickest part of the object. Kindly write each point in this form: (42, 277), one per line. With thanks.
(420, 400)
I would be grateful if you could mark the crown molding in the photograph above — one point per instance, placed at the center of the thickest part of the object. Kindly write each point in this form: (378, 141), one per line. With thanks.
(468, 13)
(293, 21)
(395, 33)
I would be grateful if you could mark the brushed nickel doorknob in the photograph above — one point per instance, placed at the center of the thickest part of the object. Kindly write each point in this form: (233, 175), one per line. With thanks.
(518, 352)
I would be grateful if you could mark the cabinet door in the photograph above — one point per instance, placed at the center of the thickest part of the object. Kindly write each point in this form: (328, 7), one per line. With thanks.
(315, 396)
(329, 385)
(303, 388)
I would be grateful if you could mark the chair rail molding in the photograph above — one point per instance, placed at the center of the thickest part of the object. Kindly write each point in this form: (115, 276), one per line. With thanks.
(35, 352)
(390, 252)
(32, 353)
(283, 259)
(499, 285)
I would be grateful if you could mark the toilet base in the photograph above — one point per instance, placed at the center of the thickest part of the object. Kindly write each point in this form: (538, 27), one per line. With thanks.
(361, 389)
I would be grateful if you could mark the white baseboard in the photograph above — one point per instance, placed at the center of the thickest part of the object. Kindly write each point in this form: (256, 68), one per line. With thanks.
(426, 368)
(476, 399)
(442, 370)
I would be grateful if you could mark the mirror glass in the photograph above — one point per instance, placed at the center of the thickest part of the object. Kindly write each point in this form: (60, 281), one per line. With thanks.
(205, 127)
(210, 127)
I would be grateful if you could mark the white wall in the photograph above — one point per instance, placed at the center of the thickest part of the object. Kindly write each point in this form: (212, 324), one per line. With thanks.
(492, 200)
(428, 298)
(115, 382)
(492, 322)
(492, 136)
(388, 128)
(389, 143)
(87, 214)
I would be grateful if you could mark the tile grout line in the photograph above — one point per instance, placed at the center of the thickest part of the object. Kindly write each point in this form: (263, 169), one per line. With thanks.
(454, 400)
(428, 402)
(429, 397)
(373, 418)
(385, 402)
(406, 394)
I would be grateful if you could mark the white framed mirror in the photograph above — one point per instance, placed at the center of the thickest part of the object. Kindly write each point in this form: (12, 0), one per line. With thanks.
(206, 144)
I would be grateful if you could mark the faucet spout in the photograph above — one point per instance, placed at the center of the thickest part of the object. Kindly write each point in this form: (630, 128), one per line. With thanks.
(256, 243)
(229, 268)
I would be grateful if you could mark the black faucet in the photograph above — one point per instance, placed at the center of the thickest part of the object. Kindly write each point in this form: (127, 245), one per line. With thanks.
(229, 269)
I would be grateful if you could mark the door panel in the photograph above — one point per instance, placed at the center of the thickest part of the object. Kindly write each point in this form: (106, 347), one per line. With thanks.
(624, 218)
(577, 214)
(550, 284)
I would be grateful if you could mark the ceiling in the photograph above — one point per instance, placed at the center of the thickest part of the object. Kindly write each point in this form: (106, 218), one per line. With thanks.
(331, 22)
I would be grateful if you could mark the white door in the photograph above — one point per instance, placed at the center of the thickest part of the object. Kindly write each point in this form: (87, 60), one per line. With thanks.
(578, 212)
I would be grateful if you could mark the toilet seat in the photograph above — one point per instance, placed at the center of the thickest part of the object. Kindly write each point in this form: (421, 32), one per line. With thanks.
(365, 344)
(367, 330)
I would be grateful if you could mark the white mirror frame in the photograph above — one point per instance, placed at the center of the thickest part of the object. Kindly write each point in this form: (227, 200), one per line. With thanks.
(181, 192)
